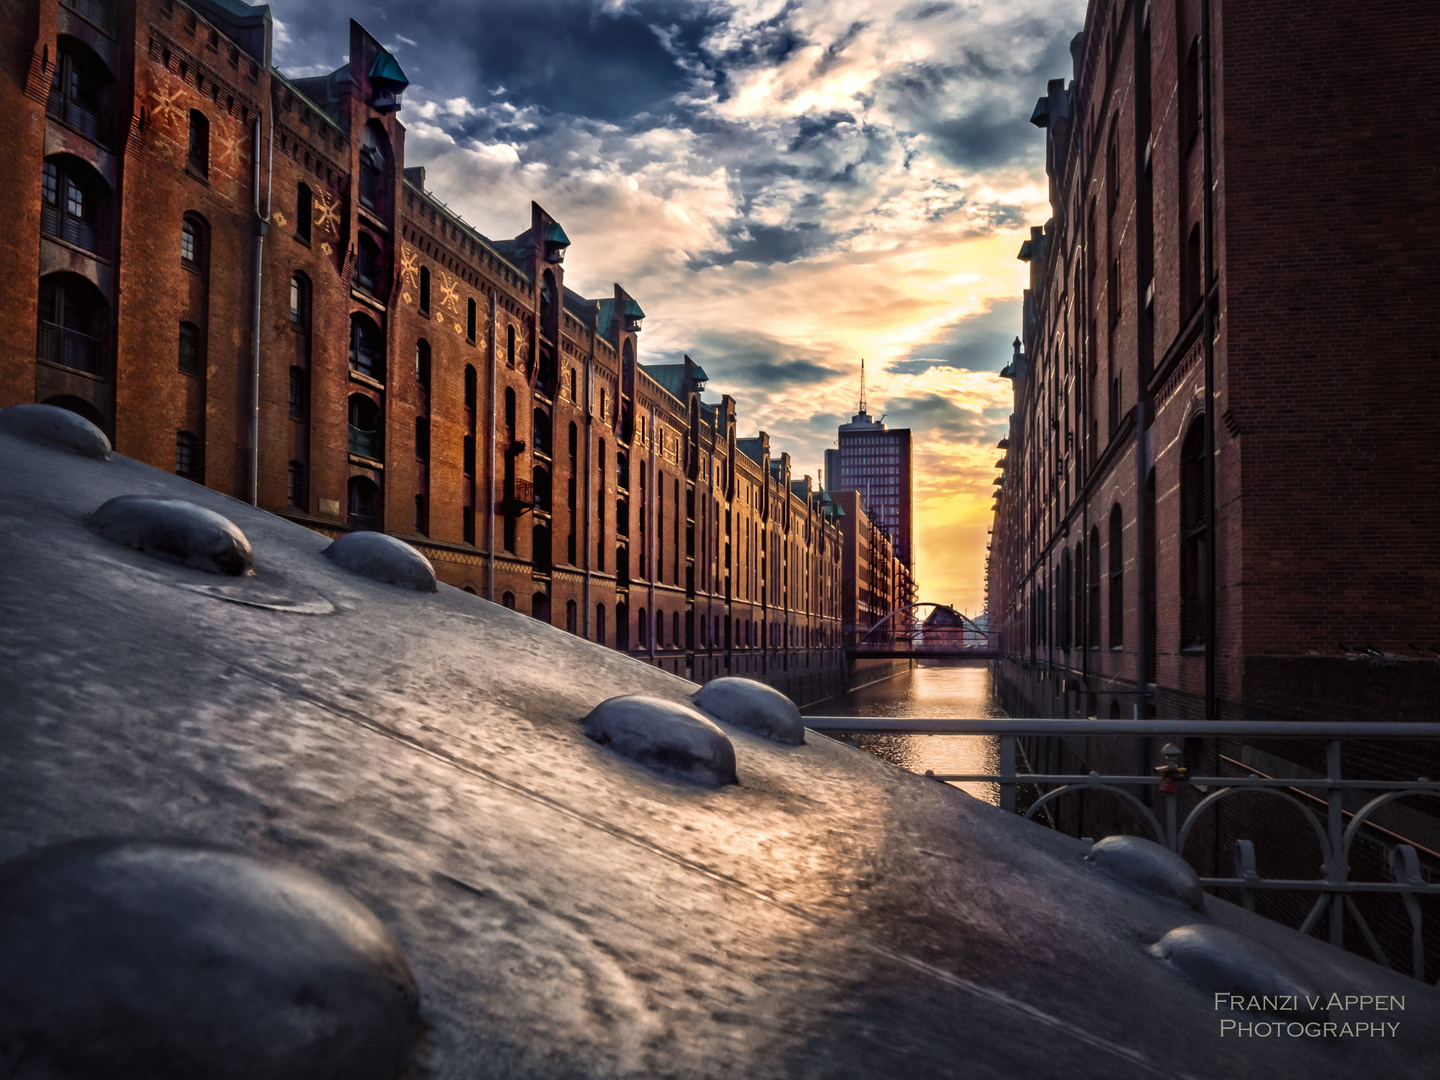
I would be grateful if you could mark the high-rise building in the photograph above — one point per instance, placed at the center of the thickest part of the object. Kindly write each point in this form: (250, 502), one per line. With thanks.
(876, 462)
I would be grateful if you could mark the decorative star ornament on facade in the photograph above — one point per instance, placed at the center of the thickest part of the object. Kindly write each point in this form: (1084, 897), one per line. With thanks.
(449, 291)
(409, 269)
(164, 104)
(326, 215)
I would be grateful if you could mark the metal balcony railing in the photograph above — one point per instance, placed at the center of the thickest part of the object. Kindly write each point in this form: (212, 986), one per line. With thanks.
(61, 345)
(365, 443)
(1336, 833)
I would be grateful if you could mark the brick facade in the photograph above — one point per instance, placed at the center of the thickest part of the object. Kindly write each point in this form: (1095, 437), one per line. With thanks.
(413, 375)
(1324, 252)
(1314, 292)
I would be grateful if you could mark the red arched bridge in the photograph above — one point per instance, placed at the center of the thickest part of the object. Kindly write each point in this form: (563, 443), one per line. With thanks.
(943, 634)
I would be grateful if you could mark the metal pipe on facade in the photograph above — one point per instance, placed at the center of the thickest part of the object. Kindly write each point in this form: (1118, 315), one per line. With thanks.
(652, 553)
(1141, 672)
(589, 465)
(1212, 710)
(262, 226)
(490, 468)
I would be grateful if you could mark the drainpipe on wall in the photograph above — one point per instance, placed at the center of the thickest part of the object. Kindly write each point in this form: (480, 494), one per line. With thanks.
(490, 468)
(1211, 645)
(589, 477)
(1140, 472)
(262, 226)
(652, 551)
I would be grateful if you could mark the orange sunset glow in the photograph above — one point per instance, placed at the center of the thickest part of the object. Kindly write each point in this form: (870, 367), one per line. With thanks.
(786, 188)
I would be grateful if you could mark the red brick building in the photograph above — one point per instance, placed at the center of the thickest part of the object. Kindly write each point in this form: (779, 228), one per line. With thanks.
(239, 277)
(1245, 216)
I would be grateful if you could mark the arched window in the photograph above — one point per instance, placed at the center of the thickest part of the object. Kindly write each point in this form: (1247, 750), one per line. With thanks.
(367, 347)
(642, 628)
(470, 320)
(1191, 99)
(600, 623)
(194, 246)
(295, 485)
(304, 211)
(1117, 578)
(422, 439)
(540, 606)
(467, 455)
(372, 166)
(299, 301)
(191, 353)
(542, 432)
(510, 345)
(424, 290)
(197, 158)
(367, 264)
(622, 471)
(365, 435)
(659, 628)
(1194, 289)
(1193, 564)
(76, 91)
(570, 616)
(573, 396)
(187, 456)
(71, 327)
(470, 390)
(510, 412)
(1092, 635)
(548, 305)
(540, 478)
(73, 202)
(422, 364)
(1062, 605)
(297, 392)
(508, 600)
(1112, 164)
(363, 503)
(622, 627)
(675, 629)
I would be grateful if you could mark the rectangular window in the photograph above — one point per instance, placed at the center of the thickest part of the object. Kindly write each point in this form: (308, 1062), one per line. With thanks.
(190, 362)
(198, 157)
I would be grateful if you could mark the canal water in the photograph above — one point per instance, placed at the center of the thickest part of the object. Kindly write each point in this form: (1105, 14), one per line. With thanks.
(964, 689)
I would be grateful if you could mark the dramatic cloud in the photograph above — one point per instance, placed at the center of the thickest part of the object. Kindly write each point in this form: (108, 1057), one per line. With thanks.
(786, 185)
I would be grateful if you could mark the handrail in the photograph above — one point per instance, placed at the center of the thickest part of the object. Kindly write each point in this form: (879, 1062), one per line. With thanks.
(1300, 729)
(1335, 891)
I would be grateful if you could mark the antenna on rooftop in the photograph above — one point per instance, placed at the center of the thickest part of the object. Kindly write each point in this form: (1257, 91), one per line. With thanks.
(862, 384)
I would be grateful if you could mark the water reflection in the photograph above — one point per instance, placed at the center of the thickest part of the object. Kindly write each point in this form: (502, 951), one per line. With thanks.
(965, 689)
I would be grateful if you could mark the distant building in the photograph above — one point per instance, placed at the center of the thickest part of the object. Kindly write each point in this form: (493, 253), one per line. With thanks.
(877, 462)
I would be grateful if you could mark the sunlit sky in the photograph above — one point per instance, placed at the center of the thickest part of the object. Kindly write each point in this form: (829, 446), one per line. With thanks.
(786, 186)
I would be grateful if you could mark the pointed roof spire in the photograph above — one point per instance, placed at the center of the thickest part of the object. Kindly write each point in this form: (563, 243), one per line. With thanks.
(862, 385)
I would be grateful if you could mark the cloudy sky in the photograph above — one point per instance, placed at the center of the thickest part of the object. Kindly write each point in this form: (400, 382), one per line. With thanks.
(787, 186)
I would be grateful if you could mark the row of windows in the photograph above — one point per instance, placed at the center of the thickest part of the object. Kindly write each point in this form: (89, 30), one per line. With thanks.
(1080, 583)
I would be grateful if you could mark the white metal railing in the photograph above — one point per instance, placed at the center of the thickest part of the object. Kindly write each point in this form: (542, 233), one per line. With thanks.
(1336, 835)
